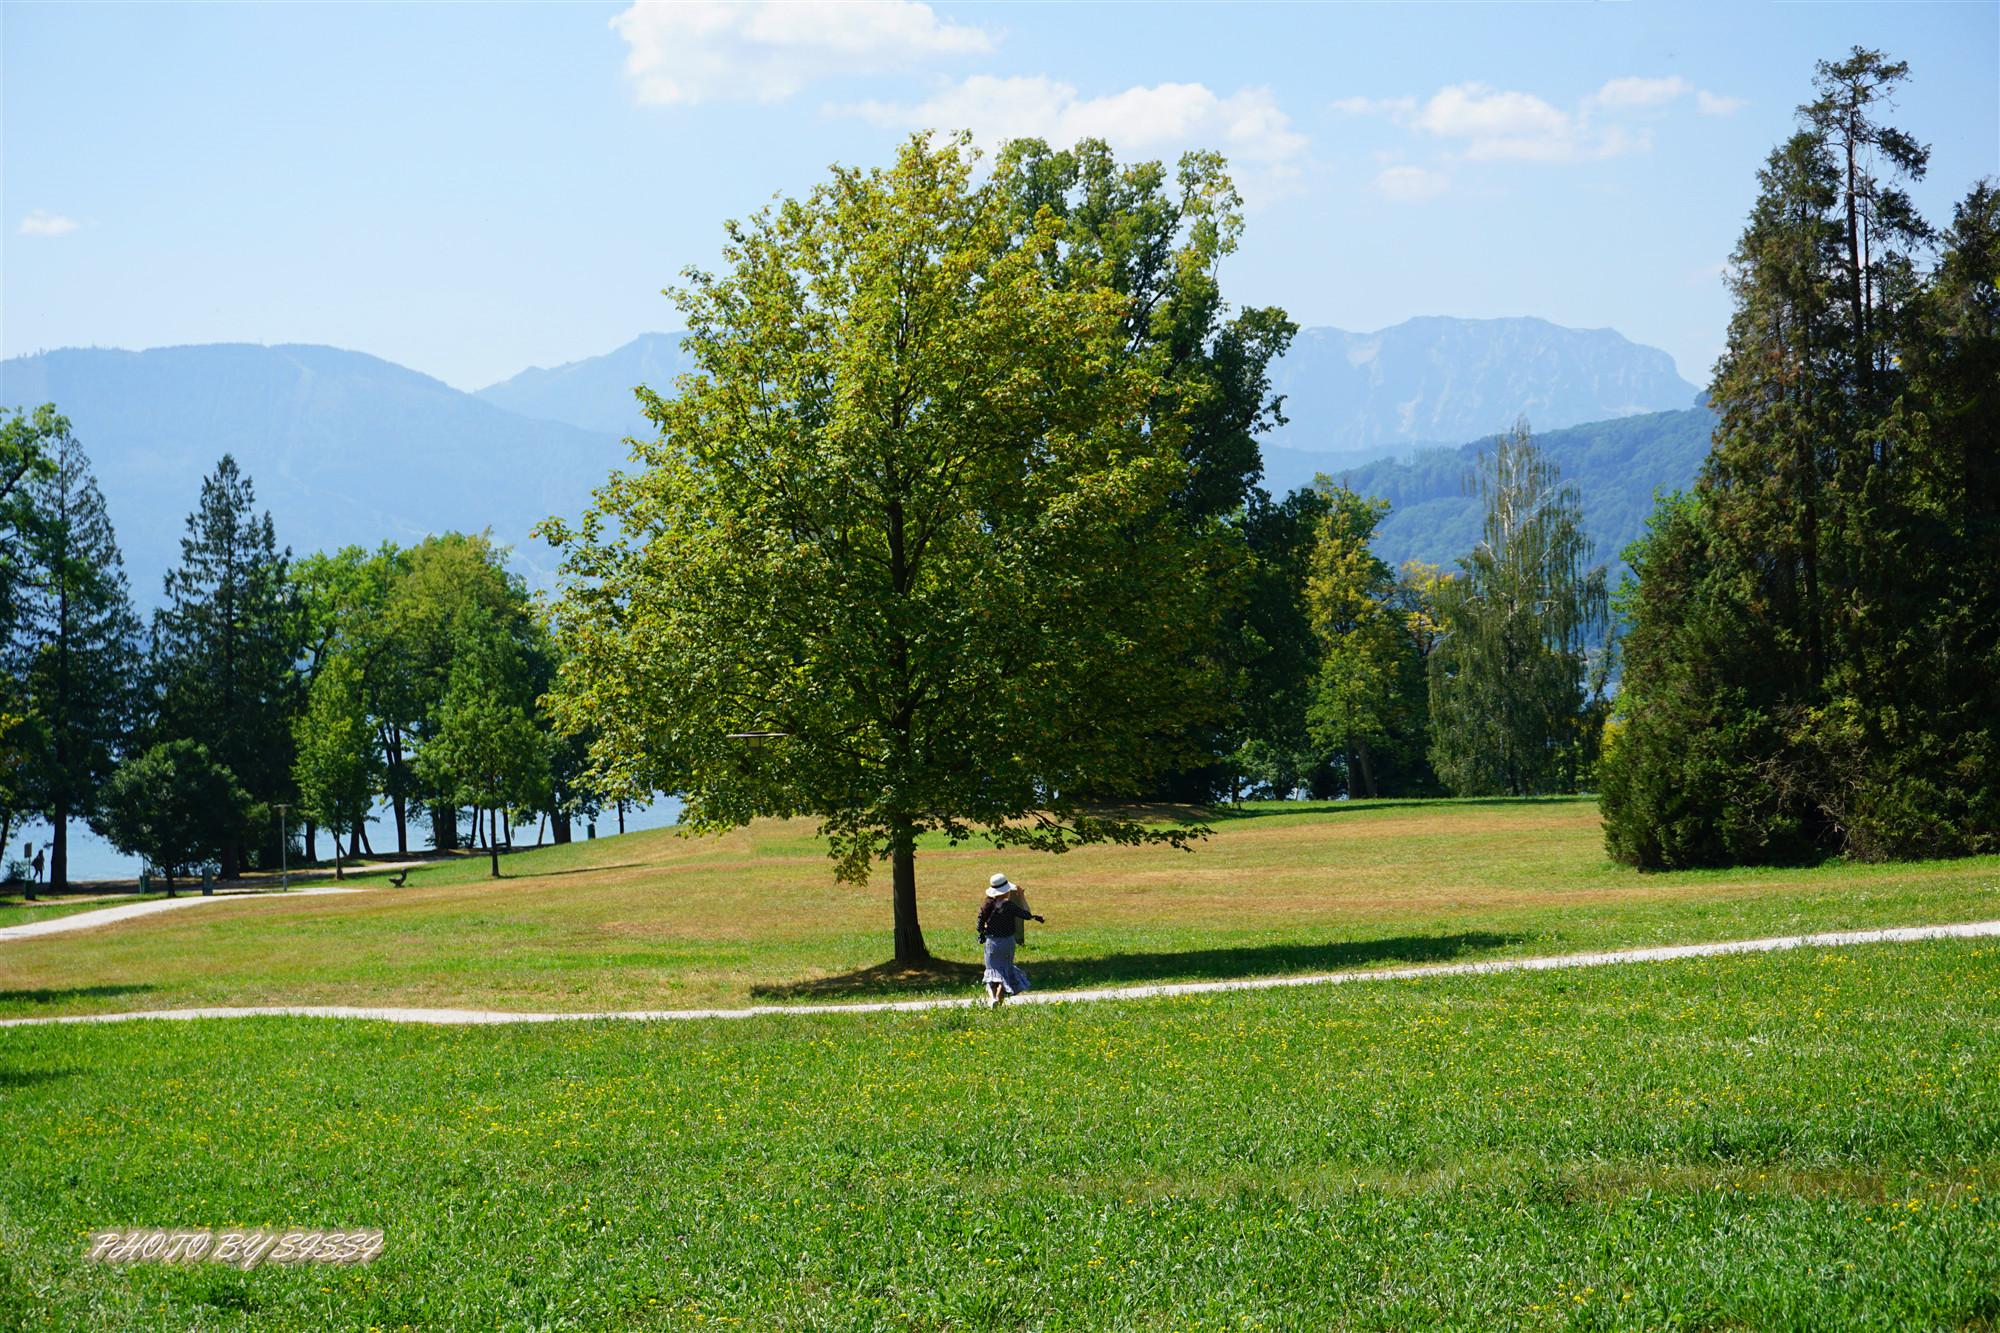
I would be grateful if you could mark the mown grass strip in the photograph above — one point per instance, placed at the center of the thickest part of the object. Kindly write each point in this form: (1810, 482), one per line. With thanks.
(1803, 1140)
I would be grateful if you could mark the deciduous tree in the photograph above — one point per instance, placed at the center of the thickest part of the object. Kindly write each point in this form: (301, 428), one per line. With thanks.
(1512, 708)
(912, 514)
(337, 763)
(176, 806)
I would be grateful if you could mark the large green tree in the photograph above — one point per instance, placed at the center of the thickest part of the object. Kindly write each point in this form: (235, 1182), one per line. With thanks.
(1516, 706)
(1370, 701)
(912, 513)
(28, 443)
(226, 645)
(176, 806)
(455, 595)
(1812, 666)
(1157, 235)
(78, 645)
(486, 751)
(336, 764)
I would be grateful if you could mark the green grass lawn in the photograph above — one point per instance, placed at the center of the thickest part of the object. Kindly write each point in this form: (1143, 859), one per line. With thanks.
(651, 920)
(1804, 1141)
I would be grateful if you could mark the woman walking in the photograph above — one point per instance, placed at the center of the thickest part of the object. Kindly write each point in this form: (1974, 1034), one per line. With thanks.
(999, 916)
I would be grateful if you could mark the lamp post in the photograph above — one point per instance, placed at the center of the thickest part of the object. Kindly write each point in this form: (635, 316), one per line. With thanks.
(284, 862)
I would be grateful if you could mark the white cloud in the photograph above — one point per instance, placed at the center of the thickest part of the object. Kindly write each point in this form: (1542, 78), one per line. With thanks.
(1628, 93)
(1411, 185)
(701, 51)
(1714, 104)
(1502, 125)
(1246, 126)
(41, 222)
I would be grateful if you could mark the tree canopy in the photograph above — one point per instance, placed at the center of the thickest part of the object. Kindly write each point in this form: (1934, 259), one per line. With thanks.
(913, 514)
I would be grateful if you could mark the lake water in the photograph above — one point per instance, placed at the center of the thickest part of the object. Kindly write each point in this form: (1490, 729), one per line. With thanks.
(91, 857)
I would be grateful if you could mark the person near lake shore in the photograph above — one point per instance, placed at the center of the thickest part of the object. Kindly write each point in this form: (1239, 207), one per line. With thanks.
(1000, 916)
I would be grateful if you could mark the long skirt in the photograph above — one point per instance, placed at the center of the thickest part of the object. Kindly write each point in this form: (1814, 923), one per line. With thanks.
(1000, 964)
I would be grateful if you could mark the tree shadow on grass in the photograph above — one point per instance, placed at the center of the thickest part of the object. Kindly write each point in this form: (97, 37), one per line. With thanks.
(8, 997)
(28, 1078)
(882, 979)
(1138, 968)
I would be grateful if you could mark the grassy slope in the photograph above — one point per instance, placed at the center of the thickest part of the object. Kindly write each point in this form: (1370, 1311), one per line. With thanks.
(652, 920)
(1806, 1141)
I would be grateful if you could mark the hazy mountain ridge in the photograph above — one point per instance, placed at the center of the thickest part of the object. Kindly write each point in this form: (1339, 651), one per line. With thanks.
(1431, 381)
(343, 447)
(1436, 380)
(1616, 465)
(596, 392)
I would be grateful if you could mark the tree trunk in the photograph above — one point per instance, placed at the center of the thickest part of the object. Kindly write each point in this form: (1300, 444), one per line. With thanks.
(232, 861)
(59, 846)
(312, 841)
(336, 856)
(903, 881)
(1367, 770)
(621, 817)
(362, 829)
(493, 851)
(402, 829)
(354, 840)
(541, 827)
(559, 830)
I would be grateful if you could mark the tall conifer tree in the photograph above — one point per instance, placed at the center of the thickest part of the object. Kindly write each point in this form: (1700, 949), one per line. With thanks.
(1812, 666)
(79, 647)
(226, 644)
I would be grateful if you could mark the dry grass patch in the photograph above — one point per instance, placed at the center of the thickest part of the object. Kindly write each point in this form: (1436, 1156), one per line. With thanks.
(652, 920)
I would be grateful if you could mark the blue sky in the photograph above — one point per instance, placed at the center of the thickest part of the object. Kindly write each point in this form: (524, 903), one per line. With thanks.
(472, 189)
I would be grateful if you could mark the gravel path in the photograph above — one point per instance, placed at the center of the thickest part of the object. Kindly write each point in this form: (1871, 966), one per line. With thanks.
(1908, 934)
(105, 916)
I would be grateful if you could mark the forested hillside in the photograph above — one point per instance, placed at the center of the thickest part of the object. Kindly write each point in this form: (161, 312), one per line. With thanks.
(1616, 465)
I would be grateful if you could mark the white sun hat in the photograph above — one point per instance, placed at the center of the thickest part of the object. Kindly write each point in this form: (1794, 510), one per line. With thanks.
(997, 886)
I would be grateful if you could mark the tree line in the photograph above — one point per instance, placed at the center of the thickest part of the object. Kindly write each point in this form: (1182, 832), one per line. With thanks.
(269, 701)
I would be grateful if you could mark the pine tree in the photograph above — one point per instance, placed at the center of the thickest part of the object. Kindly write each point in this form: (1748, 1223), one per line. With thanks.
(1514, 706)
(78, 643)
(1812, 663)
(225, 645)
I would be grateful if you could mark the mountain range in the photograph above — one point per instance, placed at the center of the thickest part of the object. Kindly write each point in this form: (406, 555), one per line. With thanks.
(344, 447)
(1427, 381)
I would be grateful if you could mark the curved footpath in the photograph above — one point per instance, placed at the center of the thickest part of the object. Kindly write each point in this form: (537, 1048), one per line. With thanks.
(1903, 935)
(105, 916)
